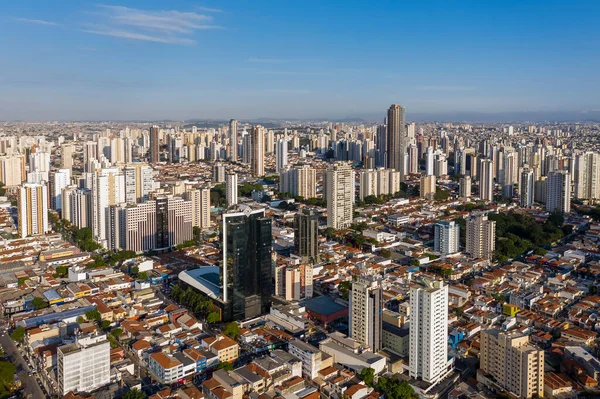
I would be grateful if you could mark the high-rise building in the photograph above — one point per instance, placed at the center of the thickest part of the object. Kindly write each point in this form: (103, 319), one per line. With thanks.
(66, 156)
(231, 188)
(299, 181)
(382, 147)
(526, 188)
(84, 365)
(428, 359)
(77, 206)
(558, 191)
(486, 180)
(33, 209)
(294, 282)
(233, 140)
(247, 265)
(139, 182)
(200, 202)
(219, 173)
(154, 145)
(257, 140)
(108, 188)
(587, 176)
(340, 195)
(481, 237)
(39, 161)
(365, 307)
(397, 140)
(281, 154)
(58, 181)
(430, 157)
(465, 187)
(513, 363)
(447, 235)
(427, 187)
(306, 235)
(12, 170)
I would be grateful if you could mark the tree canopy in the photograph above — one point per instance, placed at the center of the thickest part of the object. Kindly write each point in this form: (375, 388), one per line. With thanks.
(18, 334)
(232, 330)
(134, 394)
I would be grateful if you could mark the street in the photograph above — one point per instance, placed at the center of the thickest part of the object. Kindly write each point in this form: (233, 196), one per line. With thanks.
(30, 385)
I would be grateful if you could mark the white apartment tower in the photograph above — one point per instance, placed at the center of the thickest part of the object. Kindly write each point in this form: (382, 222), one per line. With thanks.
(257, 161)
(33, 209)
(83, 366)
(299, 181)
(481, 237)
(486, 180)
(281, 154)
(526, 189)
(366, 304)
(231, 188)
(558, 191)
(447, 236)
(233, 140)
(340, 195)
(428, 347)
(200, 200)
(465, 187)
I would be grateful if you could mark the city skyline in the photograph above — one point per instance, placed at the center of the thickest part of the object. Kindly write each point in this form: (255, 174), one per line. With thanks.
(182, 61)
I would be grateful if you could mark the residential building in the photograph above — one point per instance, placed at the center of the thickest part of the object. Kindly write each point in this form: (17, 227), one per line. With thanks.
(154, 145)
(446, 237)
(397, 142)
(486, 180)
(480, 237)
(428, 358)
(340, 195)
(200, 203)
(558, 191)
(366, 304)
(257, 140)
(84, 365)
(231, 188)
(306, 235)
(33, 209)
(526, 189)
(299, 181)
(465, 187)
(512, 362)
(427, 186)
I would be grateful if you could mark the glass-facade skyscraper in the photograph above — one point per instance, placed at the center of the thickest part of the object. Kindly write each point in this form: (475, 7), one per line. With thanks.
(247, 267)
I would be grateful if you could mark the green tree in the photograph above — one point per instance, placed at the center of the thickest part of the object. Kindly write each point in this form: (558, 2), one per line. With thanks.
(61, 272)
(117, 332)
(134, 394)
(39, 303)
(441, 195)
(213, 317)
(232, 330)
(135, 270)
(395, 389)
(93, 314)
(80, 320)
(368, 376)
(344, 289)
(18, 334)
(105, 325)
(7, 378)
(225, 366)
(22, 280)
(142, 276)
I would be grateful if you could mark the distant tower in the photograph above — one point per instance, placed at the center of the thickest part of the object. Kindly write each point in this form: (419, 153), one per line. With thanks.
(397, 140)
(465, 187)
(233, 140)
(340, 195)
(257, 140)
(154, 145)
(558, 191)
(526, 188)
(281, 154)
(486, 180)
(231, 188)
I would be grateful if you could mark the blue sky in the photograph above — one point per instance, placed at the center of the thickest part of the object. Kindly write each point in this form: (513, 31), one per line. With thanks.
(176, 59)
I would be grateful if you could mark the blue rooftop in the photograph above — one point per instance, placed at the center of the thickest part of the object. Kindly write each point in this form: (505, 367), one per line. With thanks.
(323, 305)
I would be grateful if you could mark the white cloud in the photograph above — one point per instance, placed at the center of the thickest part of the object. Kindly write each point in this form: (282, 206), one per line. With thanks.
(162, 26)
(208, 9)
(37, 21)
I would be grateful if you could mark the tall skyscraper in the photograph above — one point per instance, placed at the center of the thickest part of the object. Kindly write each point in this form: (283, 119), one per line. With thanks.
(481, 237)
(526, 188)
(281, 154)
(58, 181)
(427, 187)
(465, 187)
(257, 140)
(200, 203)
(486, 180)
(77, 206)
(514, 364)
(231, 188)
(33, 209)
(306, 235)
(447, 235)
(429, 161)
(154, 145)
(587, 176)
(233, 140)
(66, 156)
(84, 365)
(382, 147)
(12, 170)
(299, 181)
(139, 182)
(108, 188)
(428, 359)
(558, 191)
(366, 305)
(340, 195)
(397, 141)
(247, 274)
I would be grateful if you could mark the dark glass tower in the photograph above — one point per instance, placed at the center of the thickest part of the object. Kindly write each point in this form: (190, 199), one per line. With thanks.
(306, 235)
(247, 272)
